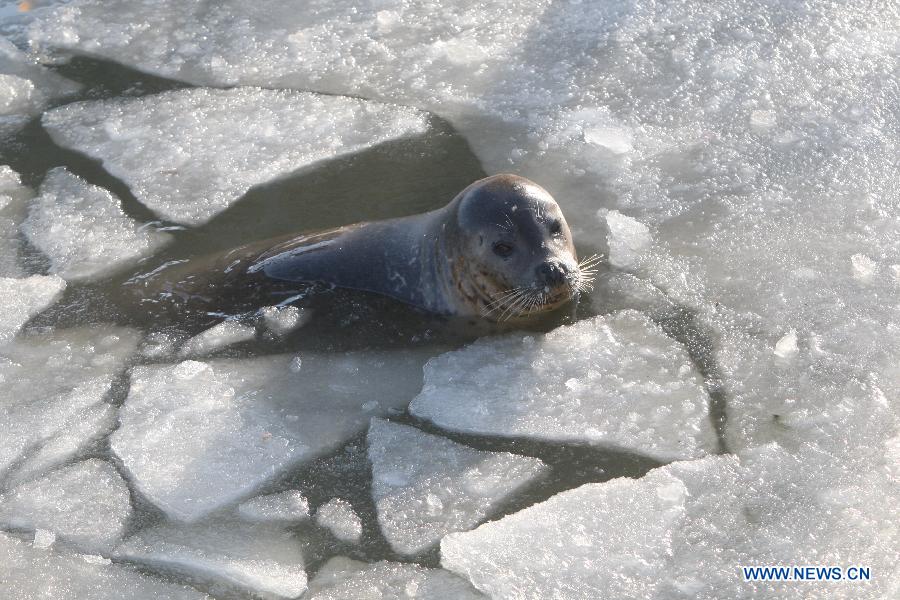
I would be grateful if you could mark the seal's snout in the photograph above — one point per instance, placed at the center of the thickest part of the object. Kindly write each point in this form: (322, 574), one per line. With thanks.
(552, 274)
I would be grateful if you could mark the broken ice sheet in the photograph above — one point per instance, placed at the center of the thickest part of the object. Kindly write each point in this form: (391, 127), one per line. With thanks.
(684, 531)
(284, 507)
(189, 154)
(337, 515)
(83, 230)
(23, 298)
(616, 381)
(13, 202)
(346, 579)
(425, 486)
(25, 87)
(198, 435)
(28, 573)
(86, 504)
(265, 561)
(52, 395)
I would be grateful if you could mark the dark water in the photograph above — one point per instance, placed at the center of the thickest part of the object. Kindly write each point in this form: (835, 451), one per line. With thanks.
(394, 179)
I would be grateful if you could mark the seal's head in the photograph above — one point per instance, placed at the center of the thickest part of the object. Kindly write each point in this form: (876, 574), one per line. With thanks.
(515, 255)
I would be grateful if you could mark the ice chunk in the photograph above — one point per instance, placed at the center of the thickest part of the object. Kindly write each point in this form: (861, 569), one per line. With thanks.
(189, 154)
(196, 436)
(83, 230)
(25, 87)
(289, 506)
(425, 486)
(281, 320)
(260, 560)
(86, 504)
(617, 381)
(786, 347)
(346, 579)
(52, 389)
(217, 337)
(43, 538)
(628, 239)
(21, 299)
(686, 529)
(337, 515)
(13, 200)
(32, 573)
(604, 540)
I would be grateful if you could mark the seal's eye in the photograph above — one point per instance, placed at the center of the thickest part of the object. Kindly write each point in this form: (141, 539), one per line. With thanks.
(556, 227)
(502, 249)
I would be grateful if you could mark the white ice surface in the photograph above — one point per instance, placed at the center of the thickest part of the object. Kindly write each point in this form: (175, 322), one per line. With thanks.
(425, 486)
(617, 381)
(190, 154)
(83, 230)
(195, 436)
(346, 579)
(684, 531)
(260, 560)
(13, 202)
(86, 504)
(52, 389)
(217, 337)
(284, 507)
(35, 574)
(25, 87)
(337, 515)
(23, 298)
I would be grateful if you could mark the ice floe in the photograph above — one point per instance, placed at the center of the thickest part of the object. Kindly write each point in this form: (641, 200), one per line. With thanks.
(617, 380)
(23, 298)
(338, 517)
(346, 579)
(685, 531)
(258, 560)
(52, 397)
(83, 230)
(425, 486)
(13, 207)
(25, 87)
(217, 337)
(284, 507)
(86, 504)
(28, 573)
(190, 154)
(195, 436)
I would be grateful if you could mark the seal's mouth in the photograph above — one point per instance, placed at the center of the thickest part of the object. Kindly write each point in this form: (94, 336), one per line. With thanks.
(526, 301)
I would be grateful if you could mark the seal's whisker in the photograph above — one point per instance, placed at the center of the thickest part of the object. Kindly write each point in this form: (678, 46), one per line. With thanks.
(514, 306)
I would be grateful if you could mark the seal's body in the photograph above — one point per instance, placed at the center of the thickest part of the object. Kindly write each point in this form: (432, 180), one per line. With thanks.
(501, 249)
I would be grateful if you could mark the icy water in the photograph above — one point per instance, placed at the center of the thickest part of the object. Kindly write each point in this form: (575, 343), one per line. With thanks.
(394, 179)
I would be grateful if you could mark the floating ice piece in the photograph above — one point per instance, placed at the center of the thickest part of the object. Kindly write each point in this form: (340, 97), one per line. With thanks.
(25, 87)
(21, 299)
(425, 486)
(286, 507)
(83, 230)
(13, 200)
(259, 560)
(28, 573)
(190, 154)
(217, 337)
(337, 515)
(786, 347)
(52, 389)
(684, 530)
(86, 504)
(43, 539)
(281, 320)
(628, 239)
(617, 381)
(346, 579)
(196, 436)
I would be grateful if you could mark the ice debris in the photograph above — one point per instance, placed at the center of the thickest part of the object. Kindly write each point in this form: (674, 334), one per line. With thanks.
(425, 486)
(337, 515)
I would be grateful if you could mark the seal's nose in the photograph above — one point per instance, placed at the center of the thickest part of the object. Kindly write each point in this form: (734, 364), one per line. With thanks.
(551, 274)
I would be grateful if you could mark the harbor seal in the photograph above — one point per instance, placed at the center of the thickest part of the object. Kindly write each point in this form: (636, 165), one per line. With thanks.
(501, 250)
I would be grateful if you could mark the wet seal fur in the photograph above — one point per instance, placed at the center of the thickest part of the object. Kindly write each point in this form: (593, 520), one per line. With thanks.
(501, 249)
